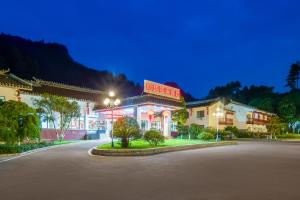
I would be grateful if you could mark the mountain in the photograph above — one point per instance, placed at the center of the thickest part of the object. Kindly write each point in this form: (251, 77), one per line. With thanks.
(52, 62)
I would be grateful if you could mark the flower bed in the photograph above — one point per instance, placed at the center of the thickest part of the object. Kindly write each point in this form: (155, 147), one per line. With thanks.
(103, 151)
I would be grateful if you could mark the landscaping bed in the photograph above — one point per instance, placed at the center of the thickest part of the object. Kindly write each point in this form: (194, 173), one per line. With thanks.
(15, 148)
(141, 148)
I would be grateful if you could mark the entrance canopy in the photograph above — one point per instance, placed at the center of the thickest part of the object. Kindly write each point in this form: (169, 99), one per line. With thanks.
(150, 111)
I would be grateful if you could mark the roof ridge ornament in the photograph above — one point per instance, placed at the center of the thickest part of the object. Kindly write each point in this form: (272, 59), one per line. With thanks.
(4, 71)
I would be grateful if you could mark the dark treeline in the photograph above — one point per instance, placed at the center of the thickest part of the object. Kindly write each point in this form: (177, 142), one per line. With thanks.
(286, 105)
(52, 62)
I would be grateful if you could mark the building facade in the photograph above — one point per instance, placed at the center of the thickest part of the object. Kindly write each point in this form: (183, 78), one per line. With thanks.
(232, 113)
(88, 125)
(152, 110)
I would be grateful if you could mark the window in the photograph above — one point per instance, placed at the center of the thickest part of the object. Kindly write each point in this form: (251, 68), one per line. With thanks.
(2, 98)
(156, 125)
(144, 125)
(200, 114)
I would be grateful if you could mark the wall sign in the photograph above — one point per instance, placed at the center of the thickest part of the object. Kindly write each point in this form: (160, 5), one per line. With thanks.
(161, 90)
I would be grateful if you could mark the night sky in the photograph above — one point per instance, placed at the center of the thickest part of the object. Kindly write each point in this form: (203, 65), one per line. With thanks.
(198, 44)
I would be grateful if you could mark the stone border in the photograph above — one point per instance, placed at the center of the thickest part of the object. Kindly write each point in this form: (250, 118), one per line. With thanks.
(153, 151)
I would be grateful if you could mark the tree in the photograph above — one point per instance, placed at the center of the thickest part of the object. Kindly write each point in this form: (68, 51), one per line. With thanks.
(276, 126)
(126, 128)
(249, 93)
(56, 108)
(292, 80)
(287, 111)
(154, 137)
(18, 121)
(181, 116)
(230, 90)
(53, 62)
(265, 104)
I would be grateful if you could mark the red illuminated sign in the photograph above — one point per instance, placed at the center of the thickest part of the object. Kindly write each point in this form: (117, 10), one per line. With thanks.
(161, 90)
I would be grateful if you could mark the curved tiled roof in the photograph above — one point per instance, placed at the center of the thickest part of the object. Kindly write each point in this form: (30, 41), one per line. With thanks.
(12, 81)
(69, 91)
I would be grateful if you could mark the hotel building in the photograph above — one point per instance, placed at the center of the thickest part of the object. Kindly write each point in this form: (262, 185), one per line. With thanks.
(152, 109)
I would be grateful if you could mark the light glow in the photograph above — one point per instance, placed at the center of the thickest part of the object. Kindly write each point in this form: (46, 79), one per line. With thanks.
(111, 94)
(106, 101)
(117, 102)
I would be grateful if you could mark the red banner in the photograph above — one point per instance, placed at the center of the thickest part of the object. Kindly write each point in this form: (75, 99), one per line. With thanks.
(161, 90)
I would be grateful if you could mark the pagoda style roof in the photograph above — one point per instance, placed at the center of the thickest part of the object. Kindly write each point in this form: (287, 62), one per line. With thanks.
(11, 81)
(40, 87)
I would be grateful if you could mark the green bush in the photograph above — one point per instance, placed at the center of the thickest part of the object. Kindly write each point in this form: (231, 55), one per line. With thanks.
(288, 136)
(18, 121)
(13, 148)
(229, 132)
(206, 135)
(183, 131)
(154, 137)
(248, 134)
(126, 128)
(195, 130)
(231, 129)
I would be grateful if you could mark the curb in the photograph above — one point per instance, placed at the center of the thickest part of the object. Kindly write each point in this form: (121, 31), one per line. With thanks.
(152, 151)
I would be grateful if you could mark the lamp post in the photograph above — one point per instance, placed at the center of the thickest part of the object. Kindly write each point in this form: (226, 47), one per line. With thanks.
(218, 114)
(111, 102)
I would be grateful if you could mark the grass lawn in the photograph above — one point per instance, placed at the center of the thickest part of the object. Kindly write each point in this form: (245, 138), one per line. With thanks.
(142, 144)
(65, 142)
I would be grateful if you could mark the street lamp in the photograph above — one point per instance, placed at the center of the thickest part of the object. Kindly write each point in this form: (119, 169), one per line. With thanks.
(111, 102)
(218, 114)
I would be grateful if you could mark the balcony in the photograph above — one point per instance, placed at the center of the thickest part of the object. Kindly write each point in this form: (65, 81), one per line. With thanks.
(226, 121)
(257, 121)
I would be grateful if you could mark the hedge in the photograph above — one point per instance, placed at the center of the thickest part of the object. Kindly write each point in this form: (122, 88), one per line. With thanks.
(14, 148)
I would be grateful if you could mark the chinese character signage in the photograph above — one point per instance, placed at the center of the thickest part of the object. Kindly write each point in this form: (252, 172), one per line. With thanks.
(161, 90)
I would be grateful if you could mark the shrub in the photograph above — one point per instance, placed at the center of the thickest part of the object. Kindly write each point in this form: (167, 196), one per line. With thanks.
(289, 136)
(183, 131)
(126, 128)
(17, 122)
(229, 132)
(13, 148)
(231, 129)
(195, 130)
(154, 137)
(206, 135)
(248, 134)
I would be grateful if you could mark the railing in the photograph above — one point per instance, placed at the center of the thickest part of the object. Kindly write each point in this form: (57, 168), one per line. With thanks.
(257, 121)
(226, 121)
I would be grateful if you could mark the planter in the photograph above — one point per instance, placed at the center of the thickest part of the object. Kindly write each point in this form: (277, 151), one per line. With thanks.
(153, 151)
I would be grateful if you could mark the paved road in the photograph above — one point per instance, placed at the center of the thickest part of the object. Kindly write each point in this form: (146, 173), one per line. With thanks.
(249, 170)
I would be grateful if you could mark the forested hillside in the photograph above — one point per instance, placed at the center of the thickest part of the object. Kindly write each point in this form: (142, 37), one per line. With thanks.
(52, 62)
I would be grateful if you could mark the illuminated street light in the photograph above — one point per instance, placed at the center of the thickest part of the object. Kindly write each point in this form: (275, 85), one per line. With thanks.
(117, 102)
(106, 101)
(111, 102)
(218, 114)
(111, 94)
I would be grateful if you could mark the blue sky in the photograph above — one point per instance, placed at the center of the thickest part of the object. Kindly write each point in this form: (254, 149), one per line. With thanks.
(198, 44)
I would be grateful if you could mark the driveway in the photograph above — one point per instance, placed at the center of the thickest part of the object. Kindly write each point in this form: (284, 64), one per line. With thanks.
(249, 170)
